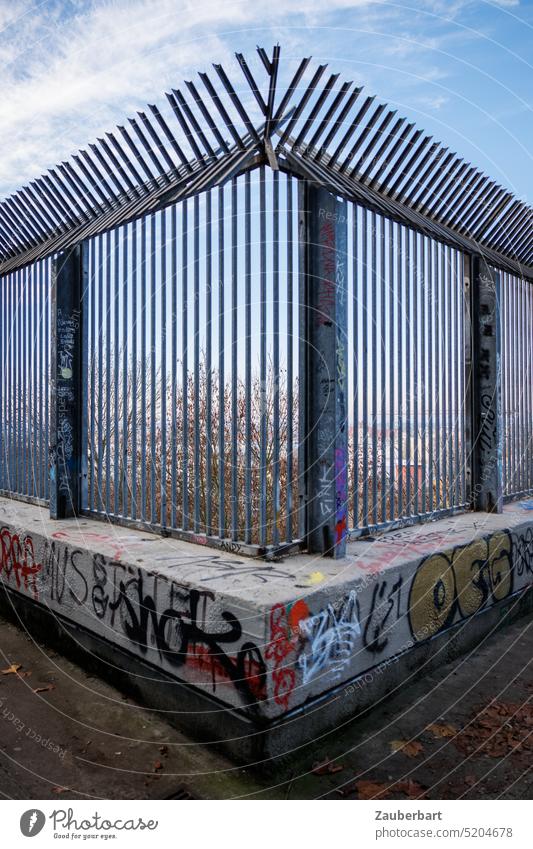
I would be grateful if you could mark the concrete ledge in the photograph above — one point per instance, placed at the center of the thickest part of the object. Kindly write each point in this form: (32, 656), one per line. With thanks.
(261, 657)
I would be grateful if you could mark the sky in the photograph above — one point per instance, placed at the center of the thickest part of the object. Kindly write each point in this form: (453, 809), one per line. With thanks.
(461, 69)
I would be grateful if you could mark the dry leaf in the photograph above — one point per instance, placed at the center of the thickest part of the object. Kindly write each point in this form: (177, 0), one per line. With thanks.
(325, 767)
(12, 670)
(411, 788)
(411, 748)
(370, 789)
(45, 688)
(163, 750)
(442, 730)
(59, 790)
(158, 765)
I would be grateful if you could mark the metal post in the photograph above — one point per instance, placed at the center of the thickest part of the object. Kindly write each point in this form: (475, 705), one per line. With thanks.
(325, 312)
(69, 282)
(487, 490)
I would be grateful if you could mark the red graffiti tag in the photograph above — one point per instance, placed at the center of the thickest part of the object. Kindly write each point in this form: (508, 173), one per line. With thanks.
(203, 659)
(283, 642)
(17, 559)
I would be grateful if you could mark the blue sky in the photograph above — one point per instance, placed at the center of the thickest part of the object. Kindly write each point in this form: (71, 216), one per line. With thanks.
(72, 69)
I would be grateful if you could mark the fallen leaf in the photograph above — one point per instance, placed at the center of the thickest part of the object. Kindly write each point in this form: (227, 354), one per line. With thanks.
(411, 748)
(411, 788)
(163, 750)
(371, 789)
(12, 670)
(59, 790)
(45, 688)
(325, 767)
(442, 730)
(158, 765)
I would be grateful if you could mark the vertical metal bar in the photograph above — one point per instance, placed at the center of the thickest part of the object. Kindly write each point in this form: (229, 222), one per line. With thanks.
(116, 376)
(163, 379)
(275, 317)
(24, 369)
(92, 370)
(416, 372)
(134, 368)
(382, 374)
(408, 371)
(450, 368)
(248, 353)
(374, 390)
(262, 359)
(221, 375)
(431, 368)
(392, 371)
(197, 445)
(290, 359)
(209, 359)
(401, 409)
(458, 365)
(110, 240)
(174, 366)
(466, 345)
(355, 361)
(144, 369)
(234, 352)
(153, 369)
(18, 472)
(423, 371)
(365, 316)
(441, 418)
(84, 373)
(127, 410)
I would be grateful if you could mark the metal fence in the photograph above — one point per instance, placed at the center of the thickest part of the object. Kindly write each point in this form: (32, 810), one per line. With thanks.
(192, 391)
(406, 367)
(24, 381)
(517, 384)
(187, 318)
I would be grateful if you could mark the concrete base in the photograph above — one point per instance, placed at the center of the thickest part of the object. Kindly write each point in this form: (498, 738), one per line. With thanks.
(257, 657)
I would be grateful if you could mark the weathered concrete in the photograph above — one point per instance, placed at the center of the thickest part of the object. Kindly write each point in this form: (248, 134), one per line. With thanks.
(266, 653)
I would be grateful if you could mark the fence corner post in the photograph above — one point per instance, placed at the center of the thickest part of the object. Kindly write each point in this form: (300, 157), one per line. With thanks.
(487, 436)
(325, 403)
(65, 448)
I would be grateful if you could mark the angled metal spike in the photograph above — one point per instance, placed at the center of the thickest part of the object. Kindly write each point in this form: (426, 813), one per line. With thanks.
(221, 110)
(293, 85)
(251, 82)
(139, 180)
(118, 165)
(90, 178)
(160, 146)
(326, 120)
(377, 158)
(301, 105)
(432, 160)
(445, 185)
(207, 117)
(171, 138)
(445, 171)
(367, 103)
(377, 136)
(391, 154)
(407, 168)
(83, 191)
(315, 110)
(274, 67)
(241, 111)
(461, 182)
(137, 154)
(189, 115)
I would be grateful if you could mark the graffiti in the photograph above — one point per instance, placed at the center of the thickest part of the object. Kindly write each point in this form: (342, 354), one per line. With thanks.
(342, 494)
(61, 567)
(488, 432)
(62, 456)
(332, 634)
(523, 553)
(325, 491)
(454, 585)
(17, 560)
(327, 283)
(377, 625)
(177, 633)
(283, 643)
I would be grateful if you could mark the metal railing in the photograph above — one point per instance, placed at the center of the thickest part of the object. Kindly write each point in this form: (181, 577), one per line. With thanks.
(517, 384)
(406, 367)
(181, 304)
(192, 391)
(24, 381)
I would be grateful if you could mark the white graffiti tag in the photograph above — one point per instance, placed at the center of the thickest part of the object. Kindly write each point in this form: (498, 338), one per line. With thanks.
(332, 635)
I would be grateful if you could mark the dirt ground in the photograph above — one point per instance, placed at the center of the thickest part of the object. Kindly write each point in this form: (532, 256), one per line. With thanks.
(464, 731)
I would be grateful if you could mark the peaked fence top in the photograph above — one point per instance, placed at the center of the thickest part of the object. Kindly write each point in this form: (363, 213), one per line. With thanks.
(317, 127)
